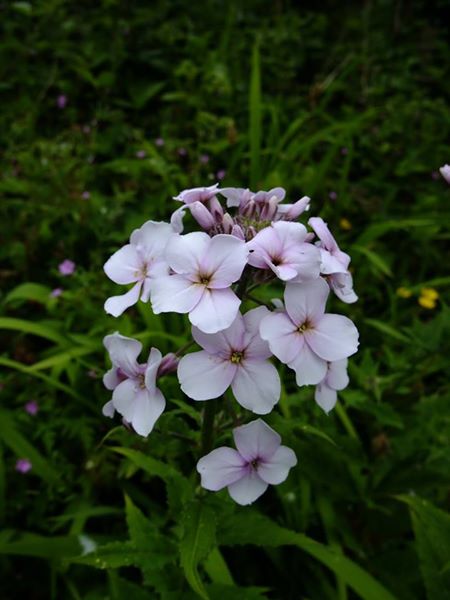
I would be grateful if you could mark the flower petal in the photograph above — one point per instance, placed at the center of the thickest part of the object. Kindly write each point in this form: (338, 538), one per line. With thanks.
(220, 468)
(323, 233)
(203, 376)
(276, 470)
(111, 379)
(123, 352)
(223, 342)
(116, 305)
(256, 386)
(308, 367)
(216, 310)
(175, 293)
(124, 265)
(123, 398)
(147, 408)
(154, 360)
(152, 238)
(337, 377)
(342, 286)
(247, 489)
(325, 397)
(225, 260)
(185, 252)
(333, 337)
(108, 409)
(256, 346)
(306, 301)
(281, 333)
(256, 440)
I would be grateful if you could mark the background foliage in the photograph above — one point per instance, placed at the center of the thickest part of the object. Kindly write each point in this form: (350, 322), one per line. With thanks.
(344, 103)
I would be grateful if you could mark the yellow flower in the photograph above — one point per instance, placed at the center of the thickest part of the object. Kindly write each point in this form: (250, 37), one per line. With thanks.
(345, 224)
(426, 302)
(404, 292)
(430, 293)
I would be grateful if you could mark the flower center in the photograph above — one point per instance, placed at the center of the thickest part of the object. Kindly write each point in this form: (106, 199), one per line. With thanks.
(236, 357)
(205, 279)
(141, 381)
(303, 327)
(254, 463)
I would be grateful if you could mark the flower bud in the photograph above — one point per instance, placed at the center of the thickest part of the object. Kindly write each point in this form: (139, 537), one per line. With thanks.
(202, 215)
(295, 210)
(169, 364)
(269, 209)
(238, 232)
(227, 223)
(249, 209)
(216, 209)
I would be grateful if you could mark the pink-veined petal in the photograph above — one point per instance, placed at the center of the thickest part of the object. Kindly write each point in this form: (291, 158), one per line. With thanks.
(220, 468)
(256, 440)
(123, 352)
(185, 252)
(124, 266)
(256, 386)
(175, 293)
(309, 368)
(147, 408)
(276, 469)
(223, 342)
(281, 334)
(225, 260)
(203, 376)
(247, 489)
(116, 305)
(123, 398)
(333, 337)
(337, 377)
(215, 311)
(154, 360)
(306, 301)
(325, 397)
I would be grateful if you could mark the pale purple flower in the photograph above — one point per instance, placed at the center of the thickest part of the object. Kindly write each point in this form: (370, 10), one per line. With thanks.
(334, 262)
(159, 142)
(182, 152)
(67, 267)
(199, 194)
(435, 175)
(138, 262)
(204, 269)
(282, 248)
(259, 461)
(135, 395)
(221, 174)
(445, 172)
(289, 212)
(32, 407)
(23, 465)
(344, 151)
(61, 101)
(204, 159)
(56, 292)
(336, 379)
(332, 195)
(141, 154)
(191, 198)
(304, 337)
(235, 357)
(86, 195)
(169, 364)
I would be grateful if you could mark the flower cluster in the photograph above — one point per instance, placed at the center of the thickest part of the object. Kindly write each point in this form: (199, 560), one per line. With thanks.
(247, 240)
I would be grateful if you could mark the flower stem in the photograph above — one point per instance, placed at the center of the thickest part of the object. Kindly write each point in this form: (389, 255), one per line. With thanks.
(257, 301)
(208, 426)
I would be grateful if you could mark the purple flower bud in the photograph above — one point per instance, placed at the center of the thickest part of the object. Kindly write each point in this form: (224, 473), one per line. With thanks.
(67, 267)
(56, 292)
(61, 101)
(86, 195)
(32, 407)
(269, 209)
(238, 232)
(204, 159)
(202, 215)
(292, 211)
(221, 174)
(140, 154)
(169, 364)
(445, 172)
(159, 142)
(216, 209)
(249, 209)
(332, 195)
(23, 465)
(251, 232)
(227, 223)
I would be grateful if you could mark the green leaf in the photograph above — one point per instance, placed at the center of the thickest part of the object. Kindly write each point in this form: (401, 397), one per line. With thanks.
(23, 449)
(387, 329)
(432, 532)
(255, 118)
(112, 556)
(217, 568)
(29, 291)
(249, 527)
(39, 329)
(42, 547)
(199, 530)
(377, 261)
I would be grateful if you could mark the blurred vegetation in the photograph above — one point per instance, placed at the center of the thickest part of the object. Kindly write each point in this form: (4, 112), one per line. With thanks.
(108, 109)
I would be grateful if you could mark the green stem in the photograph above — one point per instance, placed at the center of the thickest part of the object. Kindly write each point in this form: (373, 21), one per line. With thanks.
(257, 301)
(208, 426)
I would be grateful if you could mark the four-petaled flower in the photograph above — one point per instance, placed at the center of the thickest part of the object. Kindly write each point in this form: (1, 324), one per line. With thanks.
(259, 460)
(204, 270)
(235, 357)
(138, 262)
(66, 267)
(282, 248)
(336, 379)
(135, 395)
(304, 337)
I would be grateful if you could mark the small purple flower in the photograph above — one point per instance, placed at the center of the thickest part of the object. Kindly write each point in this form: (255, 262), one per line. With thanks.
(140, 154)
(159, 142)
(23, 465)
(67, 267)
(56, 292)
(61, 101)
(86, 195)
(332, 195)
(135, 395)
(221, 174)
(344, 151)
(204, 159)
(182, 152)
(259, 461)
(32, 407)
(445, 172)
